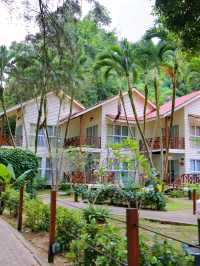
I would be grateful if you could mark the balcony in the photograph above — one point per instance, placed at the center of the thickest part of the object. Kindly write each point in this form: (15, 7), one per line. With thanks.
(6, 140)
(154, 143)
(93, 142)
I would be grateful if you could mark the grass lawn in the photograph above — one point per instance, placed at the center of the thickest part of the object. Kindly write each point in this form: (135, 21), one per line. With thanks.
(174, 204)
(185, 233)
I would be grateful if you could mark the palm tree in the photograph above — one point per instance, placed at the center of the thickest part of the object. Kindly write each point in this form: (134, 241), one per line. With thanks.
(120, 59)
(171, 68)
(4, 60)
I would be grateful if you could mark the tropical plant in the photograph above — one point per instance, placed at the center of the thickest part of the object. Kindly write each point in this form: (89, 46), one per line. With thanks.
(37, 216)
(98, 214)
(120, 59)
(4, 61)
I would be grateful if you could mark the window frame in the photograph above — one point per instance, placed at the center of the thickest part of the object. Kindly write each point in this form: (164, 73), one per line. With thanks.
(120, 137)
(195, 161)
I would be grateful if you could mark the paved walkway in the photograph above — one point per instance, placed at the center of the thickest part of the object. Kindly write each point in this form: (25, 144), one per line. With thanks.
(176, 217)
(14, 249)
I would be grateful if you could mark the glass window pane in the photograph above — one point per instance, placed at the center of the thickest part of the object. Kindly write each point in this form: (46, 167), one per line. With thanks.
(192, 131)
(125, 131)
(89, 132)
(198, 165)
(95, 129)
(197, 131)
(50, 130)
(40, 162)
(48, 164)
(117, 130)
(192, 165)
(125, 165)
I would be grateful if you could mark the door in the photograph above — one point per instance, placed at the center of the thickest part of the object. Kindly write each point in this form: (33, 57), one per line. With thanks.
(173, 168)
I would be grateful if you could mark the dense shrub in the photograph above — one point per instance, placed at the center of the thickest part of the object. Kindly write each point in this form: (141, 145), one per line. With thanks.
(98, 245)
(69, 226)
(131, 197)
(153, 200)
(98, 214)
(105, 246)
(21, 161)
(10, 200)
(162, 253)
(37, 215)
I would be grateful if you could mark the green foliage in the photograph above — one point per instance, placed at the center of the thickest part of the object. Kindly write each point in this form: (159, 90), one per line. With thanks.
(153, 200)
(162, 253)
(37, 215)
(182, 18)
(5, 174)
(21, 160)
(63, 186)
(177, 193)
(10, 200)
(39, 182)
(69, 226)
(131, 196)
(98, 245)
(98, 214)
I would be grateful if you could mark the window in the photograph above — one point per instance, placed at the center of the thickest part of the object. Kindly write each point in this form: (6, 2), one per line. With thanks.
(195, 166)
(124, 171)
(92, 131)
(40, 166)
(42, 141)
(49, 170)
(195, 131)
(117, 133)
(195, 136)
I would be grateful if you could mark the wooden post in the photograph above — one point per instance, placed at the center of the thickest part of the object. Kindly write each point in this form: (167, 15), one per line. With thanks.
(194, 198)
(132, 237)
(52, 228)
(20, 209)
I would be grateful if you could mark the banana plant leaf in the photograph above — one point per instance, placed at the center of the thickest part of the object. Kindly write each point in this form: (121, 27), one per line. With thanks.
(22, 178)
(5, 174)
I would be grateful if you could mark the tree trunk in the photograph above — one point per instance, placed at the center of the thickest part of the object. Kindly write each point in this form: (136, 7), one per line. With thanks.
(24, 126)
(66, 130)
(145, 103)
(130, 93)
(7, 121)
(174, 81)
(157, 98)
(124, 107)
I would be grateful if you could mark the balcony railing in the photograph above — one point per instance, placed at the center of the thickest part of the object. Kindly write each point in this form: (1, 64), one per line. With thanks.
(154, 143)
(94, 142)
(6, 140)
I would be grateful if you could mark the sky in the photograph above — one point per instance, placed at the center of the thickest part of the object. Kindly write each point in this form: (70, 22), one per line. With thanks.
(130, 19)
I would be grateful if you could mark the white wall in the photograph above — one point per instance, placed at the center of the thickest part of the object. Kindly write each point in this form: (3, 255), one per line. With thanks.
(190, 153)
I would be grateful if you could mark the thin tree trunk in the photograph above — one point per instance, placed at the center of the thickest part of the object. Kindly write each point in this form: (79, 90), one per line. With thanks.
(130, 93)
(24, 126)
(66, 130)
(145, 102)
(124, 107)
(174, 81)
(7, 121)
(157, 98)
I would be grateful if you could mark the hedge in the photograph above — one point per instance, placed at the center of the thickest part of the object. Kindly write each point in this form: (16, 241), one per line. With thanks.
(21, 160)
